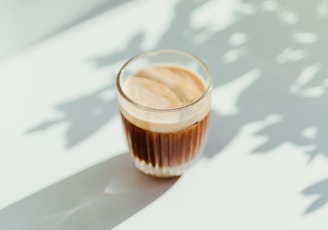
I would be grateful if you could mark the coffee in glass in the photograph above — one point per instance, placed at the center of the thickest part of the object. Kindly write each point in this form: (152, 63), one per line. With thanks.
(164, 99)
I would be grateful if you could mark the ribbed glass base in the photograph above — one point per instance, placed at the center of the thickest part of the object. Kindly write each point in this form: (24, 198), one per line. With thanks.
(163, 171)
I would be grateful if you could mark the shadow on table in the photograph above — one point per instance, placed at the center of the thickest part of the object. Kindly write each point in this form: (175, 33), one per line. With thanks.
(85, 116)
(283, 44)
(320, 190)
(99, 197)
(290, 81)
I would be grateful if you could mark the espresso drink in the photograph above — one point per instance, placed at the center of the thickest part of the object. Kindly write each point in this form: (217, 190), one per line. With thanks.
(165, 146)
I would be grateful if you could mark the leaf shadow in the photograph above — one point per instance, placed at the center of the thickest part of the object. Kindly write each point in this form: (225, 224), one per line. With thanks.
(269, 33)
(320, 190)
(84, 115)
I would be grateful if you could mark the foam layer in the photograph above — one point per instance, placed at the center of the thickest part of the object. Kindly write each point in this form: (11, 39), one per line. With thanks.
(165, 87)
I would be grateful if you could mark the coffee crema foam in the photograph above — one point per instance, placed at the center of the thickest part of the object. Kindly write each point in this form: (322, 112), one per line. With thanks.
(164, 87)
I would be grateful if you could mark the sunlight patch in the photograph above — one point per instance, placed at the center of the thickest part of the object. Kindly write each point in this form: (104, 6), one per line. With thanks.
(288, 17)
(270, 5)
(237, 39)
(229, 93)
(216, 16)
(273, 119)
(289, 55)
(310, 133)
(305, 38)
(322, 9)
(233, 55)
(308, 73)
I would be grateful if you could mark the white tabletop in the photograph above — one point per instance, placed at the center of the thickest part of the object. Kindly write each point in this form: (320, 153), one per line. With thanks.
(63, 156)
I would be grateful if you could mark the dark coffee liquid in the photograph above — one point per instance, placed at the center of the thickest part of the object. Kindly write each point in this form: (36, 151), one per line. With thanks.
(166, 149)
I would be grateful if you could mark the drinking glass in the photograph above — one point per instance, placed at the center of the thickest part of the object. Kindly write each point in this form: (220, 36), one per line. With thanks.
(164, 142)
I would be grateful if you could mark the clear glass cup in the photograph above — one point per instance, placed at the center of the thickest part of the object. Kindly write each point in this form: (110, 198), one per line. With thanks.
(164, 142)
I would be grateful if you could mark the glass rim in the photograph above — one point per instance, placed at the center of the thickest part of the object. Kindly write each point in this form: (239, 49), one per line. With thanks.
(151, 109)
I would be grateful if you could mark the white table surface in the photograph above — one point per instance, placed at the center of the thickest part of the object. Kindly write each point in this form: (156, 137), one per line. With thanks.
(63, 156)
